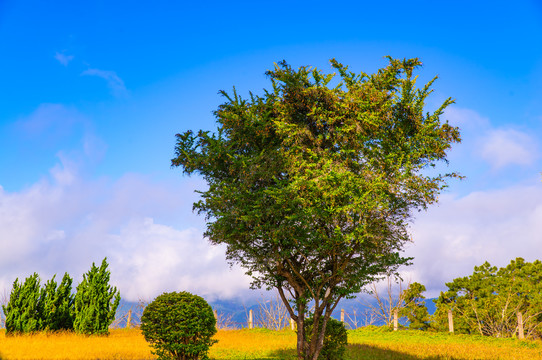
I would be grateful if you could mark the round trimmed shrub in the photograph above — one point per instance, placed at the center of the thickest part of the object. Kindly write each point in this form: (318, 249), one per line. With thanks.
(179, 326)
(335, 339)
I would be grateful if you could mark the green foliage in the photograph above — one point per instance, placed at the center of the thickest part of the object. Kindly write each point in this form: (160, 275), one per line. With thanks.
(414, 307)
(95, 302)
(57, 305)
(335, 338)
(311, 186)
(22, 312)
(33, 308)
(487, 302)
(53, 307)
(179, 326)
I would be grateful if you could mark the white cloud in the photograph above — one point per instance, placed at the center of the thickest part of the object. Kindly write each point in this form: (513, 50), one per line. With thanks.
(495, 226)
(485, 144)
(466, 119)
(63, 58)
(151, 258)
(502, 147)
(114, 82)
(65, 222)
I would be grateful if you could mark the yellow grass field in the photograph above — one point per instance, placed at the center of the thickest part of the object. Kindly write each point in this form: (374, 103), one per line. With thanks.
(364, 344)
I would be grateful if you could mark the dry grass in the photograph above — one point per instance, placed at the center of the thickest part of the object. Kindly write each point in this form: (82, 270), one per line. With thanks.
(368, 344)
(120, 344)
(130, 344)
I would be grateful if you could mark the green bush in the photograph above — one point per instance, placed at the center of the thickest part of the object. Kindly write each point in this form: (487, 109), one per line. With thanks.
(95, 302)
(179, 326)
(335, 339)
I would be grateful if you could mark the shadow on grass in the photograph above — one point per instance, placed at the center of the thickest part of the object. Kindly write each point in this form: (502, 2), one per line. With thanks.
(367, 352)
(361, 352)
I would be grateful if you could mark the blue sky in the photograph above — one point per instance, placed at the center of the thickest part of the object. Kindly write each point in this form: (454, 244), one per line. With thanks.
(92, 96)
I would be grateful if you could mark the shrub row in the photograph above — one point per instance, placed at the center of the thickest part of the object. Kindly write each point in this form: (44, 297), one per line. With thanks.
(54, 307)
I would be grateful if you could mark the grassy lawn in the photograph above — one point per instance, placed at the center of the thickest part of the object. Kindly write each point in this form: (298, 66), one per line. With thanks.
(364, 344)
(410, 345)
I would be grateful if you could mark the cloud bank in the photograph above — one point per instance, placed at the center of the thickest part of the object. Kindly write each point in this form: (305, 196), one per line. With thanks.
(488, 222)
(463, 232)
(65, 222)
(503, 147)
(500, 147)
(69, 219)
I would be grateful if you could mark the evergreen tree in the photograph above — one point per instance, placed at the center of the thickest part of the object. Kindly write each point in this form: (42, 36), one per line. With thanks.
(47, 308)
(23, 311)
(57, 305)
(64, 304)
(94, 305)
(415, 309)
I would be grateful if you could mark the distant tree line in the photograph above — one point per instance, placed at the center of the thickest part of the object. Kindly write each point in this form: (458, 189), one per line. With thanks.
(488, 301)
(485, 303)
(54, 307)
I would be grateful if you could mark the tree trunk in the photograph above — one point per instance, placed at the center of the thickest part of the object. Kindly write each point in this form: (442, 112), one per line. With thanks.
(319, 343)
(306, 350)
(301, 332)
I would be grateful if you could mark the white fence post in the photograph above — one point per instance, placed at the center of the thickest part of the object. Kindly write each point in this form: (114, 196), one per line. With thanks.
(450, 321)
(129, 319)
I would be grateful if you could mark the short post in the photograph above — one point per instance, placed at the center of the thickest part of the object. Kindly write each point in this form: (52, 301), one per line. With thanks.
(129, 319)
(342, 316)
(395, 320)
(450, 321)
(292, 326)
(250, 319)
(521, 334)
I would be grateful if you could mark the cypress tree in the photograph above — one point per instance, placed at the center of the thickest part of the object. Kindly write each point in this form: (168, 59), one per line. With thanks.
(12, 311)
(64, 304)
(47, 308)
(57, 305)
(23, 311)
(95, 302)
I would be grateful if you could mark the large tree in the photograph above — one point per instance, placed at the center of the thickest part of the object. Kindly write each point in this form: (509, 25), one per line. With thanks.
(312, 185)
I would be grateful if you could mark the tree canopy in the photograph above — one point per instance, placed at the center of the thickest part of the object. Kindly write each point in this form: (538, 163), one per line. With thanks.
(487, 302)
(414, 307)
(312, 185)
(96, 302)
